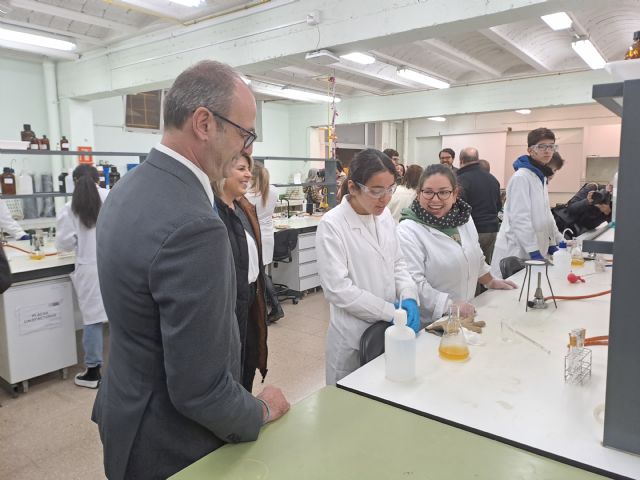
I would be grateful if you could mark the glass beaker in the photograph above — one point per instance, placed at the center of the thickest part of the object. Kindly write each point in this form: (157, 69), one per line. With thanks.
(453, 345)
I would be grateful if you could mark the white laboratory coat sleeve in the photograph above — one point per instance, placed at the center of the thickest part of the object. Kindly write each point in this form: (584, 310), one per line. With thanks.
(8, 224)
(442, 268)
(432, 301)
(339, 289)
(519, 196)
(66, 235)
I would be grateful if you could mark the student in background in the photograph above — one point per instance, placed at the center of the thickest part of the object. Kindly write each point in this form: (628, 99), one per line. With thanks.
(361, 269)
(447, 156)
(76, 231)
(9, 225)
(406, 191)
(528, 229)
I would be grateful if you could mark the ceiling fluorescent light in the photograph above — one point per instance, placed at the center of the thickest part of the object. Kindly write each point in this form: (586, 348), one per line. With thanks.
(188, 3)
(523, 111)
(421, 78)
(291, 93)
(558, 21)
(361, 58)
(37, 40)
(437, 119)
(589, 54)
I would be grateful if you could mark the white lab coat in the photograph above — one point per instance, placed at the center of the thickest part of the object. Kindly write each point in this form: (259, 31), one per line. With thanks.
(71, 235)
(402, 198)
(265, 218)
(362, 277)
(528, 223)
(442, 268)
(8, 224)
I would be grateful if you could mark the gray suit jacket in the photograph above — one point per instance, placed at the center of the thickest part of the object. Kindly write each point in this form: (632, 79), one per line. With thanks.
(171, 393)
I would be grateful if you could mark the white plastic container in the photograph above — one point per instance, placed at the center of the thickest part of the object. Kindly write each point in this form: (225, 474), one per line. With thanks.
(562, 260)
(400, 349)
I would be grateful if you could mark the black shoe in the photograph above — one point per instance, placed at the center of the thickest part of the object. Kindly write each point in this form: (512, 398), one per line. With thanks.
(90, 378)
(275, 316)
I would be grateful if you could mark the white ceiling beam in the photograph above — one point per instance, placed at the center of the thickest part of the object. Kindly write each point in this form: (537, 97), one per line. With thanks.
(392, 60)
(467, 60)
(65, 33)
(502, 40)
(71, 15)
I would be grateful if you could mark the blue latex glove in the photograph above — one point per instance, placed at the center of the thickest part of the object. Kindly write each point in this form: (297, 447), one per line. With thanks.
(536, 255)
(552, 249)
(413, 313)
(25, 237)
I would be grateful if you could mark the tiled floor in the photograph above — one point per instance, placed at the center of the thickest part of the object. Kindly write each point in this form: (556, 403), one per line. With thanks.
(47, 434)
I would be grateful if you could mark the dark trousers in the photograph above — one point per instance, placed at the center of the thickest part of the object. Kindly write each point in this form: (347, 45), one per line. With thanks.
(248, 373)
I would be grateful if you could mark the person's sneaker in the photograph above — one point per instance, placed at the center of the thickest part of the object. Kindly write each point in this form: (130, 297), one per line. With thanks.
(275, 316)
(90, 378)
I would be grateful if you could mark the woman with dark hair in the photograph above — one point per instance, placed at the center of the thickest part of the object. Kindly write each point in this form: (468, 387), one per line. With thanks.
(406, 191)
(440, 244)
(361, 269)
(76, 230)
(241, 220)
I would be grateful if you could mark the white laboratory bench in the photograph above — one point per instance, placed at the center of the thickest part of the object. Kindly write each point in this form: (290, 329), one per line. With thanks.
(37, 326)
(514, 391)
(301, 273)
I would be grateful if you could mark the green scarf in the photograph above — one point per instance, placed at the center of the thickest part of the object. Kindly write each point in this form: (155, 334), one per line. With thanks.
(457, 216)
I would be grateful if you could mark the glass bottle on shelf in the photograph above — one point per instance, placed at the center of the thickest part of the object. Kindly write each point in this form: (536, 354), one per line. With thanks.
(44, 143)
(64, 144)
(634, 49)
(8, 182)
(34, 143)
(27, 134)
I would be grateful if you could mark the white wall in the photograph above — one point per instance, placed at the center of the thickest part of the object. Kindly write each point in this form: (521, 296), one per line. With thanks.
(22, 100)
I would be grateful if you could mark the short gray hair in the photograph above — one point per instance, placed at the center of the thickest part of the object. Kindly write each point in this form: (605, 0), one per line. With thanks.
(208, 84)
(469, 155)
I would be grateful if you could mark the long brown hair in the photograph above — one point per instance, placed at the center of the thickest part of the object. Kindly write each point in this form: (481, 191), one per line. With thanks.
(86, 202)
(260, 182)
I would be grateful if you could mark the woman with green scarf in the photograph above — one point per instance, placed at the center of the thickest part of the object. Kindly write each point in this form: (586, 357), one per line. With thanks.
(440, 245)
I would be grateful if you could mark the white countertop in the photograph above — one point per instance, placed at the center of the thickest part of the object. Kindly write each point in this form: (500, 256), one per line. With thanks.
(20, 261)
(296, 222)
(515, 390)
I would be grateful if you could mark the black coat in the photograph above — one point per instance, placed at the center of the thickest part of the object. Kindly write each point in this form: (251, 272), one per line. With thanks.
(250, 308)
(481, 190)
(578, 215)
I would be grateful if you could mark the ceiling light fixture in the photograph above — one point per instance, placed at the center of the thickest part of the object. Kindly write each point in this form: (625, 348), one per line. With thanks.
(558, 21)
(589, 54)
(361, 58)
(292, 93)
(437, 119)
(37, 40)
(188, 3)
(421, 78)
(523, 111)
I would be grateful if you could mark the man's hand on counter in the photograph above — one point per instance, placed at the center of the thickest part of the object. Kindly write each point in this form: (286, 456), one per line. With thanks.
(277, 405)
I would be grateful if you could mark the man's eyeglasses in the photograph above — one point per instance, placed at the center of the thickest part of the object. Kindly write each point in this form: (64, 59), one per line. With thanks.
(442, 195)
(248, 135)
(548, 147)
(377, 192)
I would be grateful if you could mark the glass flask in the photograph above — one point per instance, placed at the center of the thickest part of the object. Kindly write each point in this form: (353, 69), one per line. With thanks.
(453, 345)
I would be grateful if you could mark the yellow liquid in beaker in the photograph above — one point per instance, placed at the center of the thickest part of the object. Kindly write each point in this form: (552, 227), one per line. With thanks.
(577, 262)
(454, 352)
(36, 256)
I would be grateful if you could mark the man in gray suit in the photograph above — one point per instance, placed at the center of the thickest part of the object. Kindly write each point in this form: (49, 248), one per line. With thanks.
(171, 393)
